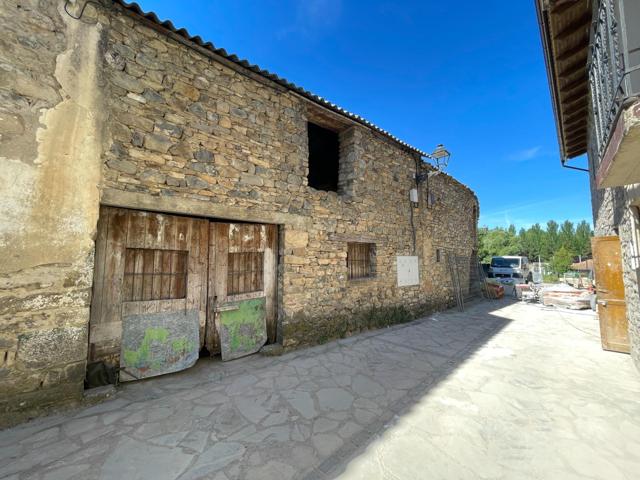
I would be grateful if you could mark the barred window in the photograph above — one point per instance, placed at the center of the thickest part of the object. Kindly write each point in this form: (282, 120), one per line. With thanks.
(361, 260)
(245, 272)
(152, 274)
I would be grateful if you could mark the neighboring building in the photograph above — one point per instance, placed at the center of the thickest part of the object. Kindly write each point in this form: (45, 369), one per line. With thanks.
(592, 49)
(160, 196)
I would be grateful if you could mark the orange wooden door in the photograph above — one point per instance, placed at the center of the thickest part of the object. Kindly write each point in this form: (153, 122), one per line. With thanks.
(612, 310)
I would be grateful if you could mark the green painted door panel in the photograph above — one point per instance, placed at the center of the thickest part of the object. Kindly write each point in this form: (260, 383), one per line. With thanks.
(158, 343)
(243, 330)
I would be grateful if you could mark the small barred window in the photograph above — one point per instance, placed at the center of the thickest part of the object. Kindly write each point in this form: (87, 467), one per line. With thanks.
(152, 274)
(361, 260)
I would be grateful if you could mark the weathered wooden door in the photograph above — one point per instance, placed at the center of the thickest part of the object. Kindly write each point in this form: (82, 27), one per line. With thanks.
(242, 273)
(166, 285)
(612, 312)
(150, 291)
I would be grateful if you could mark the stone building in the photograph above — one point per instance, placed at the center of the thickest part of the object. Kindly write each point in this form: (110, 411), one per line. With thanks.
(592, 48)
(151, 180)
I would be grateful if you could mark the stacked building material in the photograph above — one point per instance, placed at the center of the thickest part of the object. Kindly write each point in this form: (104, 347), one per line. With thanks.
(566, 296)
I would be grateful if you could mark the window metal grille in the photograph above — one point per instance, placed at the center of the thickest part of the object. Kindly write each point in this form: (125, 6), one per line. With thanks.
(245, 272)
(152, 274)
(360, 260)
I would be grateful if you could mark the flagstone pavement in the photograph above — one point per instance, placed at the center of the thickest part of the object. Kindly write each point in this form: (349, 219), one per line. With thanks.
(501, 391)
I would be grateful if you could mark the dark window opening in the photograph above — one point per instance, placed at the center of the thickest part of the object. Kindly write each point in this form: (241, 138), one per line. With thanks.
(154, 274)
(361, 260)
(324, 158)
(438, 255)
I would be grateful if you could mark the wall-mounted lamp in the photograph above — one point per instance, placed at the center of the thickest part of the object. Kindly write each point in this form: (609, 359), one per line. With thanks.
(440, 158)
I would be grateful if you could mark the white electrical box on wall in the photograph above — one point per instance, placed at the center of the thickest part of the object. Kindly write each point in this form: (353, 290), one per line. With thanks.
(408, 271)
(413, 195)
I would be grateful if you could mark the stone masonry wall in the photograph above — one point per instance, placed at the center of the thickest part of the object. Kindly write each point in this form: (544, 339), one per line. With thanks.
(51, 119)
(185, 126)
(613, 215)
(142, 120)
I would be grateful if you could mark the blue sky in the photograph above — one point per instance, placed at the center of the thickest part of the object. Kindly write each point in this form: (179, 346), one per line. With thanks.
(467, 74)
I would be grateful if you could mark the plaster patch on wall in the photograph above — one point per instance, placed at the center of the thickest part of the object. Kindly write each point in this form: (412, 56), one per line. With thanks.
(16, 183)
(57, 212)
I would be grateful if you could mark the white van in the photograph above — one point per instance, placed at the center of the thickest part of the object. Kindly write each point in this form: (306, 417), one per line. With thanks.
(511, 269)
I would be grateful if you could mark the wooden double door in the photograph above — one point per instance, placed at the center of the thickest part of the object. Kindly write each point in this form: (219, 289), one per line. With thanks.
(165, 286)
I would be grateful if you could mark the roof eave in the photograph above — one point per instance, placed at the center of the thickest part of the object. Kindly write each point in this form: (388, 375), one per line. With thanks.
(571, 144)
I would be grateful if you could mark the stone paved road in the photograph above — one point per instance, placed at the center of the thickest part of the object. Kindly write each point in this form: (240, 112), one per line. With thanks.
(504, 391)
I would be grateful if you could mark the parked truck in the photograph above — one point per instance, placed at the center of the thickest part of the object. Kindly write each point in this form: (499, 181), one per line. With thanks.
(511, 269)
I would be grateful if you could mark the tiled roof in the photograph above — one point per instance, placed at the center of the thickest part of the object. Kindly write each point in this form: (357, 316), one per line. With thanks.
(151, 16)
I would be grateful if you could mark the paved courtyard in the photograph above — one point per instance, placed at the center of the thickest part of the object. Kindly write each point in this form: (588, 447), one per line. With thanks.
(501, 391)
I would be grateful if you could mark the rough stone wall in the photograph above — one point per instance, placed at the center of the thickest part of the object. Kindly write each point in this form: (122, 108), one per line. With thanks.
(613, 215)
(50, 148)
(107, 109)
(185, 126)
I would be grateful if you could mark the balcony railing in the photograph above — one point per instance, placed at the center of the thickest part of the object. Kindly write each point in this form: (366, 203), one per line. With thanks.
(614, 68)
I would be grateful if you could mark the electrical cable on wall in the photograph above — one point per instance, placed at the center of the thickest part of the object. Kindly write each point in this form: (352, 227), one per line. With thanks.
(66, 8)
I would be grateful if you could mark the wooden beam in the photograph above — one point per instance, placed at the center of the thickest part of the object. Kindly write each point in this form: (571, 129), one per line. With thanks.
(582, 81)
(571, 112)
(580, 95)
(562, 6)
(574, 118)
(573, 68)
(577, 127)
(577, 142)
(574, 121)
(578, 148)
(576, 130)
(575, 138)
(576, 152)
(581, 48)
(583, 22)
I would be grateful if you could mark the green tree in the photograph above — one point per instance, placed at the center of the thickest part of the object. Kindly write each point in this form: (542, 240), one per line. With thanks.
(561, 260)
(532, 241)
(552, 241)
(582, 239)
(496, 242)
(566, 236)
(536, 241)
